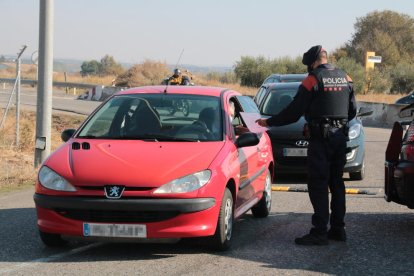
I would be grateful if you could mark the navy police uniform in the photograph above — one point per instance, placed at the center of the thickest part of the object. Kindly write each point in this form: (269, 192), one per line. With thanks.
(326, 98)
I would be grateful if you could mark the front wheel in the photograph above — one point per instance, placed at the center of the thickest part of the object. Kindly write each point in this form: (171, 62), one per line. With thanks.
(222, 237)
(263, 207)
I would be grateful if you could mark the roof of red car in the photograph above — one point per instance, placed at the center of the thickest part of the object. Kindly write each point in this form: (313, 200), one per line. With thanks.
(177, 89)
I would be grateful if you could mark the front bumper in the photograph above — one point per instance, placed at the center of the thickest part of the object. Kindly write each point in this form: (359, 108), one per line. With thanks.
(179, 205)
(299, 164)
(164, 218)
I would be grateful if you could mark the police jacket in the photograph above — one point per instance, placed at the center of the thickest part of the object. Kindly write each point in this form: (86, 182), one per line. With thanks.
(326, 93)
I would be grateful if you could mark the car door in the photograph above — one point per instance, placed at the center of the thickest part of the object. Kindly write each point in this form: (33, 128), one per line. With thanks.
(251, 183)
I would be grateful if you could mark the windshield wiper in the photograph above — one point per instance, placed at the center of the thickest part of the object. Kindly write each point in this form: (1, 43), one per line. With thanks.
(175, 139)
(156, 137)
(88, 137)
(137, 137)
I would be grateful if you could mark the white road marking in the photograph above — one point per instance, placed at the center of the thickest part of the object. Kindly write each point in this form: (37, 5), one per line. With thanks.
(48, 259)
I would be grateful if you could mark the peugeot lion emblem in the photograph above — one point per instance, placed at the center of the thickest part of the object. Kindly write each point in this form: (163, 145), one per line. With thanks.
(302, 143)
(114, 191)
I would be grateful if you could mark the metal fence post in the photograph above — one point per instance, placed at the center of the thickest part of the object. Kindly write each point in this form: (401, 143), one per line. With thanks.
(18, 77)
(45, 83)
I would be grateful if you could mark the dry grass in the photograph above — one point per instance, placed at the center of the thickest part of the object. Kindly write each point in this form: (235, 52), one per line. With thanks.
(245, 90)
(379, 98)
(16, 163)
(29, 71)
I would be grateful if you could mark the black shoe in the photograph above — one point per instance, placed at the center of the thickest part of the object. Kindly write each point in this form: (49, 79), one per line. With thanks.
(312, 239)
(337, 234)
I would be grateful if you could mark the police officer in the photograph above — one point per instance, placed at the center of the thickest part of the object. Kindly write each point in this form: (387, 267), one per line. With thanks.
(326, 97)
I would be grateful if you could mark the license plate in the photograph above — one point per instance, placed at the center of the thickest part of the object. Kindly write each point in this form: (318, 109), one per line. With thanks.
(114, 230)
(295, 152)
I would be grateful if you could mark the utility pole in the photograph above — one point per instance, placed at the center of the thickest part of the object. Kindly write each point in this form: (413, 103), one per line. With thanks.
(18, 77)
(45, 83)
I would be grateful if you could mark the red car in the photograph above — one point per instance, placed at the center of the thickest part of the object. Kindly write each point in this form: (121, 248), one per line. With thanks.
(399, 162)
(135, 169)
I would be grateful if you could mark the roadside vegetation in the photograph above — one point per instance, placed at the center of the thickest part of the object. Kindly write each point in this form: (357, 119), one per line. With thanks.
(17, 163)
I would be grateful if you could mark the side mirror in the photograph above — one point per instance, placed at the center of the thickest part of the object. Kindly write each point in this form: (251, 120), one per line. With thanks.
(364, 111)
(67, 134)
(247, 140)
(407, 111)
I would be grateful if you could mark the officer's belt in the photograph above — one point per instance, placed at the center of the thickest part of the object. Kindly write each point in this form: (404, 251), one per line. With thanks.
(336, 123)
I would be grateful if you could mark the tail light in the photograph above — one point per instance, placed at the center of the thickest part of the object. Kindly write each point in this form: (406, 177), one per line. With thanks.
(407, 151)
(410, 133)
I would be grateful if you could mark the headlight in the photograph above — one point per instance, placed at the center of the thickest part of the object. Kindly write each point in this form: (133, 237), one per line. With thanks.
(53, 181)
(185, 184)
(354, 131)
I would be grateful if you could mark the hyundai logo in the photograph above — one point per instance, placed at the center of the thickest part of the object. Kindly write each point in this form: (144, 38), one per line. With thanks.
(114, 191)
(302, 143)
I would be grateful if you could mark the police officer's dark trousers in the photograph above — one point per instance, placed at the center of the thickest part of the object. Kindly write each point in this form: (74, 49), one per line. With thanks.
(326, 160)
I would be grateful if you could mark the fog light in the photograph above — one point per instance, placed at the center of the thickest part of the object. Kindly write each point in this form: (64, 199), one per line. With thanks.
(351, 155)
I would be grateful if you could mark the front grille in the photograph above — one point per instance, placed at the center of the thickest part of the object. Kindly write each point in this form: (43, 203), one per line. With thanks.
(116, 216)
(101, 188)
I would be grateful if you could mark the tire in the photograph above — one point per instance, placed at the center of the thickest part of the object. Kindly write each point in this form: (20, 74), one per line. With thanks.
(263, 207)
(222, 237)
(360, 175)
(52, 240)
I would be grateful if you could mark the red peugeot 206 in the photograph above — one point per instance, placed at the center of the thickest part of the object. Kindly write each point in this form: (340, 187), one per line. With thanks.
(157, 163)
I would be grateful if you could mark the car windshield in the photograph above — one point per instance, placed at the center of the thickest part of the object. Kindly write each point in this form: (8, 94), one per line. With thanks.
(277, 100)
(156, 117)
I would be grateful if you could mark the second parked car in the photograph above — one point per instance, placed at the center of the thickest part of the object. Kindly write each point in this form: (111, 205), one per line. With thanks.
(409, 99)
(288, 142)
(399, 161)
(273, 78)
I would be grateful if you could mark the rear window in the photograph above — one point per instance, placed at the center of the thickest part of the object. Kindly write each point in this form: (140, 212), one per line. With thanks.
(277, 100)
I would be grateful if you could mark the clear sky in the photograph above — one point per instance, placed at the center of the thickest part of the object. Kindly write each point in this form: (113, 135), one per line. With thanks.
(211, 32)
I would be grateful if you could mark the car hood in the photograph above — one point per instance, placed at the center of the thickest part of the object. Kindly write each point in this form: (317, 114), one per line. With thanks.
(130, 163)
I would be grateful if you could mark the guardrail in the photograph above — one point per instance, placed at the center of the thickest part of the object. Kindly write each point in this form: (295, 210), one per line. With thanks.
(384, 115)
(55, 83)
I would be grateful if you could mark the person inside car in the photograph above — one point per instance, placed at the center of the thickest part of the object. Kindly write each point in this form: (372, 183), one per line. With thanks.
(235, 120)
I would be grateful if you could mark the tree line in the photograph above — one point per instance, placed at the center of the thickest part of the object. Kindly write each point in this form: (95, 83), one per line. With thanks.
(387, 33)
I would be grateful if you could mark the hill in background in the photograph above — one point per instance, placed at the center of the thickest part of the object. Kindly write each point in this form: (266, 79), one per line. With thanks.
(74, 65)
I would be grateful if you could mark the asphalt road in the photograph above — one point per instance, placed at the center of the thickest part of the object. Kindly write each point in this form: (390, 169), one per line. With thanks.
(61, 102)
(380, 238)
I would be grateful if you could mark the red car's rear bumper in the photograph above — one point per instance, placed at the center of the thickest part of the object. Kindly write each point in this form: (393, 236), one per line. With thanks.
(164, 218)
(399, 183)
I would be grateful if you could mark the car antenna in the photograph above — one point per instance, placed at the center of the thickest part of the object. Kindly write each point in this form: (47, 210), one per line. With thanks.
(178, 61)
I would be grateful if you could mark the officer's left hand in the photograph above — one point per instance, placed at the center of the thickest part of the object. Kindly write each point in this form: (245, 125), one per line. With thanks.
(262, 122)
